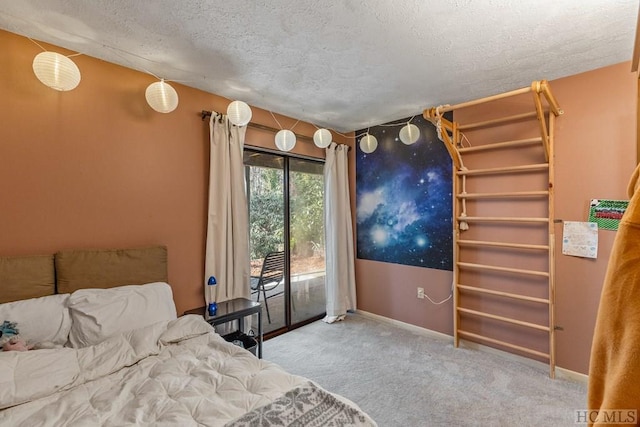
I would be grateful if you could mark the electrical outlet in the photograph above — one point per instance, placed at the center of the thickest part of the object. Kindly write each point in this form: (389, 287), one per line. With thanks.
(421, 293)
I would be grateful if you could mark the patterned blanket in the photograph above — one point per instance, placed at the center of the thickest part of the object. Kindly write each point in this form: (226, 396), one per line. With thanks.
(305, 406)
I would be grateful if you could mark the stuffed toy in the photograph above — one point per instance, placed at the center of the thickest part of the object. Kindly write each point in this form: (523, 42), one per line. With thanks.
(9, 338)
(16, 344)
(8, 329)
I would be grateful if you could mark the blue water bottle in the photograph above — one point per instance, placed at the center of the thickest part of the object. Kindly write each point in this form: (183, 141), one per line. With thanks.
(212, 307)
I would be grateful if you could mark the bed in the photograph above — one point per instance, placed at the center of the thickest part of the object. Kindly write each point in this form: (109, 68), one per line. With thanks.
(111, 351)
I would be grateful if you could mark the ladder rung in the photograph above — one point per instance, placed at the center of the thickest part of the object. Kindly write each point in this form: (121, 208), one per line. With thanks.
(505, 269)
(505, 319)
(500, 219)
(501, 195)
(503, 294)
(492, 122)
(498, 145)
(502, 244)
(499, 342)
(506, 169)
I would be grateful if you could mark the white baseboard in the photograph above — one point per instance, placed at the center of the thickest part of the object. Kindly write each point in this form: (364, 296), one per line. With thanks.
(407, 326)
(561, 373)
(569, 375)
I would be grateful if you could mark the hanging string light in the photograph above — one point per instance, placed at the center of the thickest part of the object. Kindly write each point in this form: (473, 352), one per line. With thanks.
(161, 96)
(409, 133)
(56, 71)
(239, 113)
(285, 140)
(322, 138)
(368, 143)
(59, 72)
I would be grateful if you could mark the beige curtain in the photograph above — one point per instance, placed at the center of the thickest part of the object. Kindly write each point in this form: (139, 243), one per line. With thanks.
(227, 245)
(339, 254)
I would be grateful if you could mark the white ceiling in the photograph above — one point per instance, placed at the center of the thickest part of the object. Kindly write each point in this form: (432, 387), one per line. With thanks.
(343, 64)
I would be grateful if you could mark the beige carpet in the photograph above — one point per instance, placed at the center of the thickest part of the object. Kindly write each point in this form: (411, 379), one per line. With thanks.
(407, 379)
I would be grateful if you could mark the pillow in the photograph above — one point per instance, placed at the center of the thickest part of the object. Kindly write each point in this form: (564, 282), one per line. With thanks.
(97, 314)
(40, 320)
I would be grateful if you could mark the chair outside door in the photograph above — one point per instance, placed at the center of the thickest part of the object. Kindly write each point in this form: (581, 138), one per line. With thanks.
(271, 276)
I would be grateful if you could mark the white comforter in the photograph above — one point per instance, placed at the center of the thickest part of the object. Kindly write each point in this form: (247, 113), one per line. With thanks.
(177, 373)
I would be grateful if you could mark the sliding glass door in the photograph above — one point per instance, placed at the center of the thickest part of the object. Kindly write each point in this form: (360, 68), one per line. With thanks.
(306, 225)
(286, 224)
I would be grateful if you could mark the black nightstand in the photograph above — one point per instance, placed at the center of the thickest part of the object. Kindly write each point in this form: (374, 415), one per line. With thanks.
(235, 309)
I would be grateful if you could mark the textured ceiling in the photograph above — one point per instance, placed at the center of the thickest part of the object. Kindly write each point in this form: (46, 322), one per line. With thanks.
(343, 64)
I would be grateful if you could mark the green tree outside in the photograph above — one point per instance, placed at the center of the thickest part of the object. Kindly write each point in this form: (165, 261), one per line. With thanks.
(266, 212)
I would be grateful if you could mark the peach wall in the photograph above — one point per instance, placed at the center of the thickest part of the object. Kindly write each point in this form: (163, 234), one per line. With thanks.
(595, 155)
(96, 167)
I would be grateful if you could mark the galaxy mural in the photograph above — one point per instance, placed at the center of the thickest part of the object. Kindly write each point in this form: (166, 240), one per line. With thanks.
(403, 199)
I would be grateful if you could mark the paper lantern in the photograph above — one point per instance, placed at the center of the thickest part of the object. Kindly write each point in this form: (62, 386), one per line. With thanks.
(368, 143)
(239, 113)
(409, 134)
(285, 140)
(161, 97)
(322, 138)
(56, 71)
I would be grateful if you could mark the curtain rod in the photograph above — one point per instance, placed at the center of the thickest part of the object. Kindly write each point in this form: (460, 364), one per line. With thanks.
(206, 114)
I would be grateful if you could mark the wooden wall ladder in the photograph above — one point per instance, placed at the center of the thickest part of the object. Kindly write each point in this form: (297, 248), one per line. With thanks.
(483, 289)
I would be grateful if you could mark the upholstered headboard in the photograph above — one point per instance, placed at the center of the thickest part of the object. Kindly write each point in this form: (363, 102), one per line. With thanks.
(67, 271)
(106, 268)
(24, 277)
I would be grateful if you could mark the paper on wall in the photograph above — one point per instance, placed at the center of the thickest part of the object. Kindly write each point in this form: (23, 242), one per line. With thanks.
(607, 213)
(580, 239)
